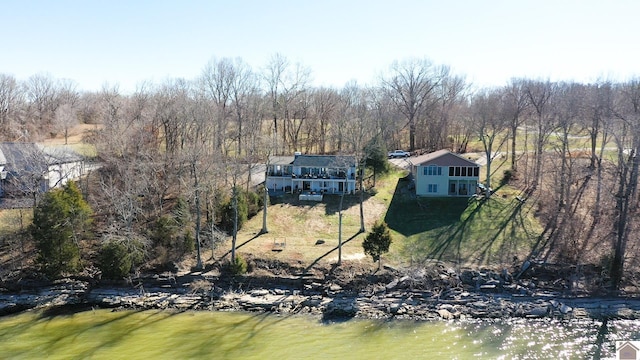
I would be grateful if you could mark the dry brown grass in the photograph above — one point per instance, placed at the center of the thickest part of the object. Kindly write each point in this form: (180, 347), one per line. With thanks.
(75, 140)
(295, 228)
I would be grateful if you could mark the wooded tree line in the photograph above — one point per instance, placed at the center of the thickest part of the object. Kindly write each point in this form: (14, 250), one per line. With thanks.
(571, 147)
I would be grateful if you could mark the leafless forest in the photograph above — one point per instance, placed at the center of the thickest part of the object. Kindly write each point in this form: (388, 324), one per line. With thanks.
(571, 147)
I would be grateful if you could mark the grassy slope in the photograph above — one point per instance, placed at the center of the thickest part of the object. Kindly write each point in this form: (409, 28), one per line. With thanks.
(486, 232)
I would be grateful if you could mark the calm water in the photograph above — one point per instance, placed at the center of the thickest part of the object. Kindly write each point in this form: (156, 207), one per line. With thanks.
(103, 334)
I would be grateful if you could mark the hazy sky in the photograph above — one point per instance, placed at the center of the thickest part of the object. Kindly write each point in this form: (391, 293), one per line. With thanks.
(488, 41)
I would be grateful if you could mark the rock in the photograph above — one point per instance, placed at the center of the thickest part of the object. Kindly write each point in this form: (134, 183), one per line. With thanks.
(564, 309)
(539, 311)
(445, 314)
(393, 308)
(479, 304)
(392, 284)
(445, 307)
(488, 287)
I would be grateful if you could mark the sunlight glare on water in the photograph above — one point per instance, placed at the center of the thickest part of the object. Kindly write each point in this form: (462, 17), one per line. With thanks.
(103, 334)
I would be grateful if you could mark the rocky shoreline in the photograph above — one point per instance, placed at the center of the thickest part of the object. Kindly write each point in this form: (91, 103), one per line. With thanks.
(398, 298)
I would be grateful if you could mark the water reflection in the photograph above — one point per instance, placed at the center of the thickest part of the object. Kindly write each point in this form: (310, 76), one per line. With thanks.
(164, 334)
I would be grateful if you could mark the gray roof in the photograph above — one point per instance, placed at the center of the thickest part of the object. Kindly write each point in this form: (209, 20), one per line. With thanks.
(326, 161)
(60, 154)
(281, 160)
(31, 157)
(317, 161)
(443, 158)
(23, 157)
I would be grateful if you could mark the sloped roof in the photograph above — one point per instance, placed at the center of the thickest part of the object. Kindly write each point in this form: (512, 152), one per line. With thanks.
(281, 160)
(60, 154)
(317, 161)
(23, 157)
(31, 157)
(443, 158)
(326, 161)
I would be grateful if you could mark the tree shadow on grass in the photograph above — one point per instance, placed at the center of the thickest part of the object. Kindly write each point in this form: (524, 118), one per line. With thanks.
(331, 202)
(410, 215)
(452, 236)
(308, 268)
(241, 245)
(477, 237)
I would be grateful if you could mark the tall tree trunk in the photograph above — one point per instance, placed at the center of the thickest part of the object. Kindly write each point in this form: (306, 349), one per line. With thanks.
(265, 201)
(198, 214)
(235, 224)
(362, 229)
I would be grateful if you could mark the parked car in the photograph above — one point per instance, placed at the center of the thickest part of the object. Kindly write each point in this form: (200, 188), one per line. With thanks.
(398, 154)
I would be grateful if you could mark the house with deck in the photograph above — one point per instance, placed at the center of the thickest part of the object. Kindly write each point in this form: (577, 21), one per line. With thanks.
(311, 174)
(443, 173)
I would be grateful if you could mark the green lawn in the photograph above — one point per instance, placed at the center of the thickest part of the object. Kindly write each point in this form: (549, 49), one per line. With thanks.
(460, 230)
(463, 231)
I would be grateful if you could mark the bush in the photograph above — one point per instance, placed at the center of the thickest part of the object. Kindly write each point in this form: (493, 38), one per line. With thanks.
(507, 175)
(189, 242)
(237, 267)
(164, 231)
(171, 233)
(377, 241)
(118, 258)
(228, 213)
(60, 221)
(255, 202)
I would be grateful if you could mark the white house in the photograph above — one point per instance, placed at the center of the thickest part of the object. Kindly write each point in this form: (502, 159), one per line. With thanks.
(443, 173)
(28, 167)
(321, 174)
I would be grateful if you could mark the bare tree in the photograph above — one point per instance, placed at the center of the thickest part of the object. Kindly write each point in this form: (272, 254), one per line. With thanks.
(217, 80)
(628, 143)
(445, 106)
(540, 96)
(244, 88)
(359, 129)
(516, 101)
(11, 101)
(412, 87)
(65, 119)
(273, 75)
(43, 98)
(490, 124)
(323, 108)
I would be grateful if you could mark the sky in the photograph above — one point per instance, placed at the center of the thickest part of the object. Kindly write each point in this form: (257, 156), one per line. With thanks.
(126, 43)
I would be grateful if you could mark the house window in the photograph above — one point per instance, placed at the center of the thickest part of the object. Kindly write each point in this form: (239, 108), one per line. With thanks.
(432, 170)
(432, 188)
(464, 171)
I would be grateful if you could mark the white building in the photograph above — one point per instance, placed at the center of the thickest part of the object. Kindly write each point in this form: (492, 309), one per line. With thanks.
(322, 174)
(28, 167)
(443, 173)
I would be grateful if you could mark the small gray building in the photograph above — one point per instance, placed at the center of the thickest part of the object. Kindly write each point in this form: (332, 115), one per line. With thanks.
(27, 168)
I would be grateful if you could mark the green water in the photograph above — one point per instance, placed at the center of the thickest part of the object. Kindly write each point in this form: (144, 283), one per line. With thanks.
(103, 334)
